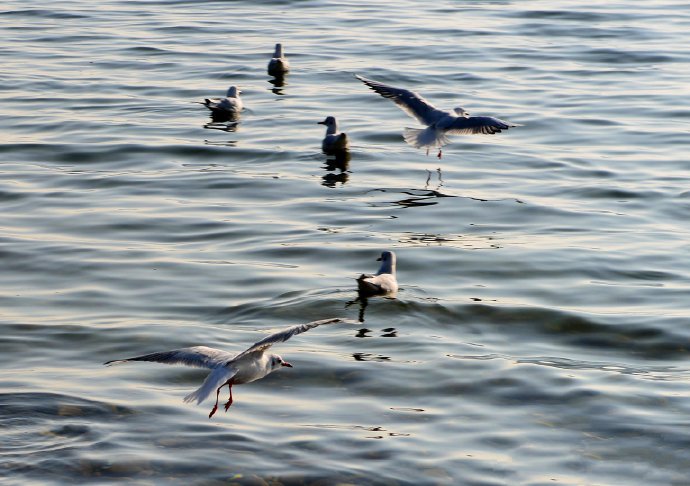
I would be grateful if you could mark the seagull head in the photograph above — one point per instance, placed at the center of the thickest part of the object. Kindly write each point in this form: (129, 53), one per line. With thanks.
(460, 111)
(329, 121)
(233, 92)
(387, 260)
(278, 362)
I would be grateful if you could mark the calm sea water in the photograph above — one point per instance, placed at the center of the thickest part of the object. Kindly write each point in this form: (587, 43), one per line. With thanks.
(542, 329)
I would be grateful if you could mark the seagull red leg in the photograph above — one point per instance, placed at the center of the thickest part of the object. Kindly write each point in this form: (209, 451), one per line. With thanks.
(440, 153)
(215, 407)
(227, 405)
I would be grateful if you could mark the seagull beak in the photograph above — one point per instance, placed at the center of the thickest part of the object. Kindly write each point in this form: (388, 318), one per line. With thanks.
(285, 363)
(378, 259)
(321, 123)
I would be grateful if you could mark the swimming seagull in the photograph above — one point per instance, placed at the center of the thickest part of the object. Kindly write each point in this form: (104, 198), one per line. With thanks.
(384, 282)
(278, 65)
(250, 365)
(333, 142)
(230, 106)
(439, 123)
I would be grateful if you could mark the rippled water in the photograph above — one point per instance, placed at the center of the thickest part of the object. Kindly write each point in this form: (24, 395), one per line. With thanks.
(541, 332)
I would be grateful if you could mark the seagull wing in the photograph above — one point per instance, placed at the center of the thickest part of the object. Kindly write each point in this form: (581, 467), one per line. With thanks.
(284, 335)
(478, 124)
(377, 284)
(197, 356)
(409, 101)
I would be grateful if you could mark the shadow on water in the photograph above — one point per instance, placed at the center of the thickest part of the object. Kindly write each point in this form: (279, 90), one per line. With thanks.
(337, 166)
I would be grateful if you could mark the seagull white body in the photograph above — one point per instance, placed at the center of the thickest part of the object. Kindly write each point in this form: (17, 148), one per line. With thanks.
(278, 65)
(334, 141)
(439, 123)
(230, 105)
(227, 369)
(383, 282)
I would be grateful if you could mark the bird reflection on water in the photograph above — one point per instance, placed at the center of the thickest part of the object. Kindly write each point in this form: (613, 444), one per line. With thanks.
(337, 166)
(222, 126)
(278, 83)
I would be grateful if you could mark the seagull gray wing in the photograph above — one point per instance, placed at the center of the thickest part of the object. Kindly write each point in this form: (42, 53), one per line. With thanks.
(478, 124)
(410, 102)
(197, 356)
(284, 335)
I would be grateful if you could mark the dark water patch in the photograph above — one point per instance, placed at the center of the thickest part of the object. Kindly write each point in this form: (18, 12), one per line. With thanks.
(587, 31)
(77, 38)
(46, 14)
(617, 194)
(572, 15)
(630, 336)
(45, 406)
(618, 56)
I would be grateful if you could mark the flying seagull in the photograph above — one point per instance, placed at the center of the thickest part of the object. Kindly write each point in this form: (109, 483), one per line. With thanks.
(439, 123)
(226, 369)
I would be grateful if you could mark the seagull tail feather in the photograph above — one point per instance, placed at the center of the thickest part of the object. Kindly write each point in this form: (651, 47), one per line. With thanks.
(214, 379)
(425, 137)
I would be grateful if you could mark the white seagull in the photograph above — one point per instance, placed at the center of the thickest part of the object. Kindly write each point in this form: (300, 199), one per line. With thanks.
(384, 282)
(333, 142)
(278, 65)
(439, 123)
(227, 369)
(230, 106)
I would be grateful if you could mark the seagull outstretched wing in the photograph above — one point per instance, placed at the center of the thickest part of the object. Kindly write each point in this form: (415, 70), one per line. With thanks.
(284, 335)
(197, 356)
(487, 125)
(409, 101)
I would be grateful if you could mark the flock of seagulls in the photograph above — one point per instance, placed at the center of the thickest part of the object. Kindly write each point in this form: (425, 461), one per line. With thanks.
(256, 362)
(438, 123)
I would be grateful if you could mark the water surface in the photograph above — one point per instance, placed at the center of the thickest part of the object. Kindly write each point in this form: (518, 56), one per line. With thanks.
(540, 335)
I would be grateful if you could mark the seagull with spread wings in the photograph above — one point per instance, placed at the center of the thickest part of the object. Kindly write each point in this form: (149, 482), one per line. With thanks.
(227, 369)
(439, 123)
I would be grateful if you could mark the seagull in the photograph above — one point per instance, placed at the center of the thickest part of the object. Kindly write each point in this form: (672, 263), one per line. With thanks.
(278, 65)
(384, 282)
(439, 123)
(226, 369)
(333, 142)
(229, 107)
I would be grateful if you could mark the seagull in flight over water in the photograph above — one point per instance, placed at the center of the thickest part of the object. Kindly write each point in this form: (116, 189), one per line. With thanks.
(439, 123)
(227, 369)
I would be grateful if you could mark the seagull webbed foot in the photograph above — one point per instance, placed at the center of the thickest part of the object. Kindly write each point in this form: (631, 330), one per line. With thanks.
(215, 407)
